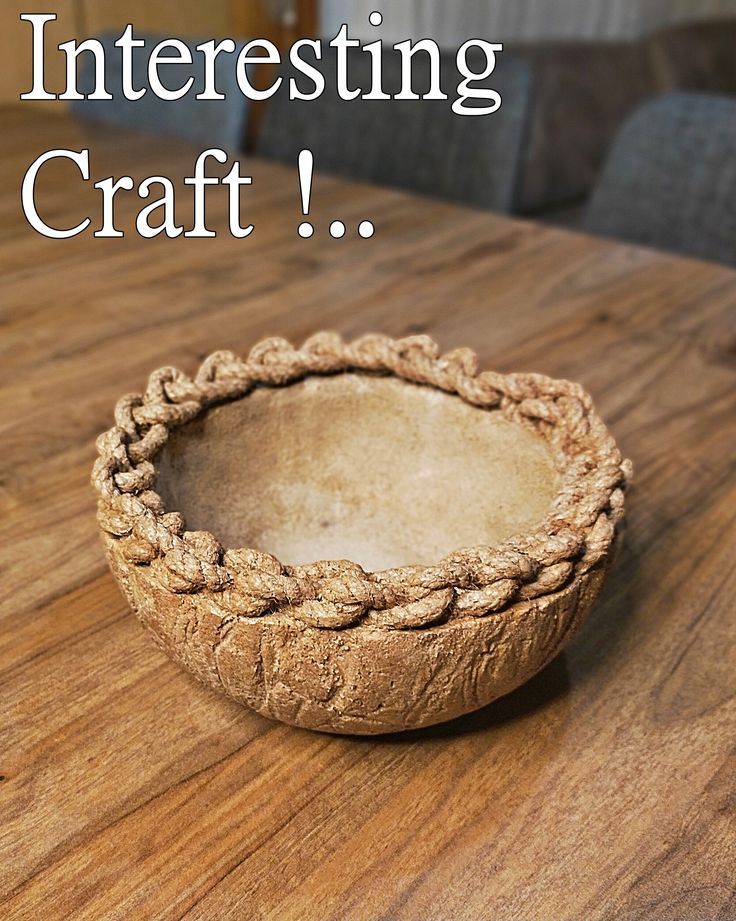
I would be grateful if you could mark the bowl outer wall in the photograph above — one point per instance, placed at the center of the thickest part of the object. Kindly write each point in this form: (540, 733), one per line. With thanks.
(363, 680)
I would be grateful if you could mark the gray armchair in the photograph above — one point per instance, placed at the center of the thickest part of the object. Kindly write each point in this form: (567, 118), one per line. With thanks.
(419, 145)
(670, 178)
(217, 122)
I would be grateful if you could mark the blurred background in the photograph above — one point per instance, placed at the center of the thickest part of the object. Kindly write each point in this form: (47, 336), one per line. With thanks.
(619, 116)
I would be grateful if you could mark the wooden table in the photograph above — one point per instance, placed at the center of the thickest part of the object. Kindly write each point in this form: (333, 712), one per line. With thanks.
(604, 789)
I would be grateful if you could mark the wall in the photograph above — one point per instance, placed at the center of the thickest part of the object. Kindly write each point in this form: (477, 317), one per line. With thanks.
(15, 46)
(452, 21)
(82, 18)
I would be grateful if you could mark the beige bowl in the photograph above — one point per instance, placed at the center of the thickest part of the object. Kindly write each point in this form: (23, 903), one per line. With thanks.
(380, 458)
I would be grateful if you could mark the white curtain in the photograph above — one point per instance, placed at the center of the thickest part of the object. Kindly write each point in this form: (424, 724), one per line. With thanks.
(452, 21)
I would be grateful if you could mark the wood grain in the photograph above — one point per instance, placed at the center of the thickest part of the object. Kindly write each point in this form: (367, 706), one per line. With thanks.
(604, 789)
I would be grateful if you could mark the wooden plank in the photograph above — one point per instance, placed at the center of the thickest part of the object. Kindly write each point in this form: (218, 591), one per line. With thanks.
(603, 789)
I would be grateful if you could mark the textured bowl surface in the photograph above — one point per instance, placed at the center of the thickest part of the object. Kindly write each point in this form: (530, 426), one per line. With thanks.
(463, 523)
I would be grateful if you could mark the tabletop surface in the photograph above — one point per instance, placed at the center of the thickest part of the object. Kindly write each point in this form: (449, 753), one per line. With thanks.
(603, 789)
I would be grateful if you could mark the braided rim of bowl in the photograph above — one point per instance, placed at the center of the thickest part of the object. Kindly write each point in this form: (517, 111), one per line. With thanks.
(471, 582)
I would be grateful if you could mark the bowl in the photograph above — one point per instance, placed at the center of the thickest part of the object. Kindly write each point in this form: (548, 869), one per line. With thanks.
(462, 522)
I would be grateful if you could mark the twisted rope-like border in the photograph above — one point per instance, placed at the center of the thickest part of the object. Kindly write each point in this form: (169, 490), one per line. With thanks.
(575, 536)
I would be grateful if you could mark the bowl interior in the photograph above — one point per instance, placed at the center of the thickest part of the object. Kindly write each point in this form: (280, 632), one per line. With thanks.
(371, 469)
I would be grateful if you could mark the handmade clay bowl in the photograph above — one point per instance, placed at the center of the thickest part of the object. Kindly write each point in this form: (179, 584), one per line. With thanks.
(463, 521)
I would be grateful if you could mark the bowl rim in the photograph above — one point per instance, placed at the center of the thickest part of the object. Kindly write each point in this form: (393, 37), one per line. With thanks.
(575, 536)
